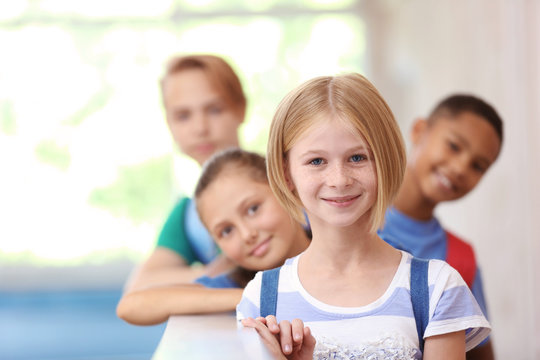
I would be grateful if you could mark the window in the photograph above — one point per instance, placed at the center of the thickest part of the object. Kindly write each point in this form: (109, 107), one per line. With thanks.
(89, 171)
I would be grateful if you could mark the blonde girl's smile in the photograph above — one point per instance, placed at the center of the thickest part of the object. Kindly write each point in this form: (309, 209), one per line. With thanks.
(343, 201)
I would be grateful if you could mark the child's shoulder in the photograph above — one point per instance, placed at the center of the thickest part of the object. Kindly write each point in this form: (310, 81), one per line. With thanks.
(444, 280)
(453, 306)
(440, 273)
(441, 269)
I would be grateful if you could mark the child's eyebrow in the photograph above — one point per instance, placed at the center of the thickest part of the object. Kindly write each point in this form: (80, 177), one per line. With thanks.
(250, 200)
(313, 153)
(180, 110)
(217, 100)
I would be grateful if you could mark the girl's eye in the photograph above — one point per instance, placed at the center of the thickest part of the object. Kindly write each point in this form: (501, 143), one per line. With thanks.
(225, 231)
(253, 209)
(317, 161)
(358, 158)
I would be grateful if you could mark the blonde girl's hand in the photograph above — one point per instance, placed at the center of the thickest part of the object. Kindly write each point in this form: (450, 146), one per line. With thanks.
(291, 339)
(269, 339)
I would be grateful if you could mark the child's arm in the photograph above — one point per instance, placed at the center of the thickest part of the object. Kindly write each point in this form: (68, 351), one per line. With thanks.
(170, 262)
(484, 351)
(449, 346)
(481, 352)
(163, 267)
(155, 305)
(286, 340)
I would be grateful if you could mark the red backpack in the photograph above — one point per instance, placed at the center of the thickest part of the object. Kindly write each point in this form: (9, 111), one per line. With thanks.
(460, 256)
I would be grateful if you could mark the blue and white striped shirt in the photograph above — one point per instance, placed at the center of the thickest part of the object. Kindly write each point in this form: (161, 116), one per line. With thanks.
(385, 327)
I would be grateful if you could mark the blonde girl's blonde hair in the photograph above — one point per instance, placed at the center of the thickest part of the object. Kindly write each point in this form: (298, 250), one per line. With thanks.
(220, 74)
(352, 99)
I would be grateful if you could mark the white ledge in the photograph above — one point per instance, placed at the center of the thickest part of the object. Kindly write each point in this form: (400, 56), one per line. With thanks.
(214, 336)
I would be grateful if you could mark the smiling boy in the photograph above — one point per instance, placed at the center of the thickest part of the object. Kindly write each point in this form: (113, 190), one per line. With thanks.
(451, 151)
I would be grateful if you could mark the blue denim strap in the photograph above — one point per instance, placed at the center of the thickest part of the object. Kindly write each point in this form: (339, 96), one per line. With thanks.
(269, 291)
(420, 296)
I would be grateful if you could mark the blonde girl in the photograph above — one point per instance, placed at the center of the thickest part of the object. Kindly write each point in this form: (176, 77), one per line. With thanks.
(335, 151)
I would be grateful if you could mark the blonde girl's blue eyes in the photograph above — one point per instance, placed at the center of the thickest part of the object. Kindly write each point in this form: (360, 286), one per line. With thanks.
(354, 158)
(316, 162)
(358, 158)
(253, 209)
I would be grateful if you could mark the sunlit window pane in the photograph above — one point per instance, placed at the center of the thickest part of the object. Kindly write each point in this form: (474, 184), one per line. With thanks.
(106, 8)
(89, 171)
(12, 9)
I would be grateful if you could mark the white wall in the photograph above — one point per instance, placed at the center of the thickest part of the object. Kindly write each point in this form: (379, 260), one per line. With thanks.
(422, 50)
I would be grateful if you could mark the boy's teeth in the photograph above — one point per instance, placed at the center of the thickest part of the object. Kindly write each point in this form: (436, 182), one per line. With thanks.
(445, 181)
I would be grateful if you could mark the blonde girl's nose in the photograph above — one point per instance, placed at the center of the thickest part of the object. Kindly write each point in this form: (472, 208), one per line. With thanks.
(339, 176)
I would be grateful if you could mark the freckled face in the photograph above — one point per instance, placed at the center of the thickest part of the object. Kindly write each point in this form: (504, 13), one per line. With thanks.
(333, 172)
(451, 155)
(200, 120)
(247, 222)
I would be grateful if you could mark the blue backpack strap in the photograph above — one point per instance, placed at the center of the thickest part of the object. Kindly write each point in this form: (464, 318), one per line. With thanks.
(269, 290)
(420, 296)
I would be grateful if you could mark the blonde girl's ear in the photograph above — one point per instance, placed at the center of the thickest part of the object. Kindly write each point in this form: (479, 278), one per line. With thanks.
(288, 178)
(419, 128)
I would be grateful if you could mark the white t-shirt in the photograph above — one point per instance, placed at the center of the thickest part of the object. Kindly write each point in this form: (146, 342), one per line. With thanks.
(384, 329)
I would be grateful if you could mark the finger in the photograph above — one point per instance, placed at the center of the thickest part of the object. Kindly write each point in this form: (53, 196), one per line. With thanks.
(261, 319)
(285, 335)
(269, 340)
(308, 344)
(297, 332)
(272, 324)
(249, 322)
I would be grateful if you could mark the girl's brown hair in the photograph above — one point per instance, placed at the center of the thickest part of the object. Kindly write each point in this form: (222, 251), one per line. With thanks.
(234, 159)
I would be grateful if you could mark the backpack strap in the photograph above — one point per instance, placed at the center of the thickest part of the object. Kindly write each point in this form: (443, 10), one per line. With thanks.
(269, 291)
(460, 255)
(420, 296)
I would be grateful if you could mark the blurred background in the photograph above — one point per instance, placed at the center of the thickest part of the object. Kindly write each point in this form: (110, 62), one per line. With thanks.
(88, 170)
